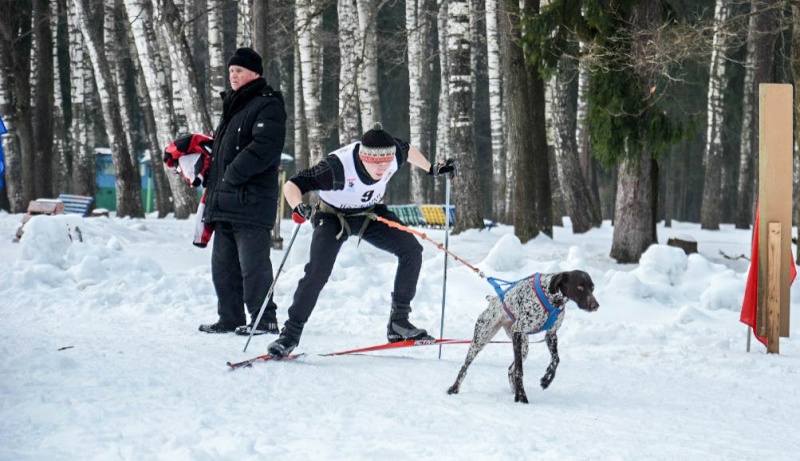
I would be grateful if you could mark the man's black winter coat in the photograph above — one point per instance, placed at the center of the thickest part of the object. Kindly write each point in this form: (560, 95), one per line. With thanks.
(243, 182)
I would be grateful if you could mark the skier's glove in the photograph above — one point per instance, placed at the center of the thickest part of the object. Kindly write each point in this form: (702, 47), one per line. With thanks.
(301, 213)
(447, 167)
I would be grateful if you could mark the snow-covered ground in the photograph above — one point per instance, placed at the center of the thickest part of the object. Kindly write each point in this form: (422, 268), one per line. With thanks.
(101, 359)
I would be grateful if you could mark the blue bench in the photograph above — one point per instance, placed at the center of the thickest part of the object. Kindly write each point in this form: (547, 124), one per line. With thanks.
(424, 215)
(77, 204)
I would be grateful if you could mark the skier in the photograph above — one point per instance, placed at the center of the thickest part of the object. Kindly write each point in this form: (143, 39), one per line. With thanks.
(351, 182)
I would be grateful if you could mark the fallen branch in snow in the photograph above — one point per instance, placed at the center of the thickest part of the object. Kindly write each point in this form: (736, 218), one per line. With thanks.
(733, 257)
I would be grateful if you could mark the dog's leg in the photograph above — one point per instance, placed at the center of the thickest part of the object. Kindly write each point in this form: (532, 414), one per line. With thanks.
(511, 368)
(485, 328)
(519, 389)
(552, 346)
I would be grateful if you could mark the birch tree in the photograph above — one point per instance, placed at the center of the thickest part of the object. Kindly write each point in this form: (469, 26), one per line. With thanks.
(467, 195)
(496, 104)
(128, 183)
(172, 32)
(216, 61)
(82, 83)
(308, 23)
(443, 118)
(349, 114)
(301, 149)
(367, 77)
(711, 207)
(184, 199)
(244, 29)
(61, 97)
(113, 48)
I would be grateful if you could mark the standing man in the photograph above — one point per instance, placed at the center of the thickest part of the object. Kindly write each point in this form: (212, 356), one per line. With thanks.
(242, 196)
(351, 183)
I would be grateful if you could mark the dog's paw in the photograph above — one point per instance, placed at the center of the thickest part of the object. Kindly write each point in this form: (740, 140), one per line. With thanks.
(453, 390)
(521, 397)
(546, 380)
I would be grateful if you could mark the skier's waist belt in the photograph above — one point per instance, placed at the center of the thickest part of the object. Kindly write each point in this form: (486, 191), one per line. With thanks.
(345, 227)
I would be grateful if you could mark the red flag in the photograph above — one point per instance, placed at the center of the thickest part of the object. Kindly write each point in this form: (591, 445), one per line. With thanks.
(749, 314)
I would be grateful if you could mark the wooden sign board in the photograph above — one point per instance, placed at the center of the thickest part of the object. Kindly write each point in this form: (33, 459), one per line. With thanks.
(775, 155)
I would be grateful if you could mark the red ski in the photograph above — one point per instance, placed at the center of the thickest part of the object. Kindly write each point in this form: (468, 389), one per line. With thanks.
(407, 343)
(261, 358)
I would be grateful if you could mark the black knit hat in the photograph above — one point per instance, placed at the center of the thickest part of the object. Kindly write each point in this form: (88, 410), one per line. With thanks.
(247, 58)
(377, 146)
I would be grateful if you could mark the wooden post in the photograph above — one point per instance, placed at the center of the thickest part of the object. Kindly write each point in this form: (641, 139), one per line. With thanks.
(773, 288)
(775, 168)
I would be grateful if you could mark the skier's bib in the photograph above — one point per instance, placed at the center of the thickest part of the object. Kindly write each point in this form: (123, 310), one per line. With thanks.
(356, 194)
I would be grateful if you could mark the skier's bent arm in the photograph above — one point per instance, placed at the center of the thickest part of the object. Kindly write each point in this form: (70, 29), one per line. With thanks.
(292, 194)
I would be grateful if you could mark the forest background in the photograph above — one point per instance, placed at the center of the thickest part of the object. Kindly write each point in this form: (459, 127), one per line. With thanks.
(635, 111)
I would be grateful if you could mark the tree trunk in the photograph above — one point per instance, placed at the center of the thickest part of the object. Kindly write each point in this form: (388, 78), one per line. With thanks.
(519, 123)
(260, 31)
(349, 126)
(216, 61)
(633, 224)
(589, 165)
(308, 25)
(368, 100)
(443, 118)
(244, 29)
(184, 199)
(711, 207)
(161, 186)
(173, 27)
(301, 151)
(128, 183)
(43, 99)
(537, 166)
(578, 203)
(419, 29)
(762, 32)
(62, 111)
(16, 35)
(467, 195)
(496, 111)
(82, 81)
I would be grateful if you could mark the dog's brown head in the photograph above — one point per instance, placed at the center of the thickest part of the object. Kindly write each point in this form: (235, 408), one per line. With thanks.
(577, 286)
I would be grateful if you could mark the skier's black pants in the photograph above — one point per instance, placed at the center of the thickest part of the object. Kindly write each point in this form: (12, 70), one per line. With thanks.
(241, 270)
(325, 247)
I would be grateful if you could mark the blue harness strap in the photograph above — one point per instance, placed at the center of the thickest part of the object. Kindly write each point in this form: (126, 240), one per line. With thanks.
(551, 319)
(501, 287)
(498, 285)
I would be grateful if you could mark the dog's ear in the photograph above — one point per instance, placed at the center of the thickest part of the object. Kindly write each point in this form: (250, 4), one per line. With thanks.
(558, 280)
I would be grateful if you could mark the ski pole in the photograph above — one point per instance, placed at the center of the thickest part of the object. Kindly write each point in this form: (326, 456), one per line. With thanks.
(271, 287)
(446, 244)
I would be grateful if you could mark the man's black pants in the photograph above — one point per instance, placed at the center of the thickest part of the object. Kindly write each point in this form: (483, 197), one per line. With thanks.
(241, 270)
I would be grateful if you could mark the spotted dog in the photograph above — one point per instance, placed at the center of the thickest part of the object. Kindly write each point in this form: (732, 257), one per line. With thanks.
(531, 305)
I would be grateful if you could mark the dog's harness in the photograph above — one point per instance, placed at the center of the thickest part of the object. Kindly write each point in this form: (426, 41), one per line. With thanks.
(553, 312)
